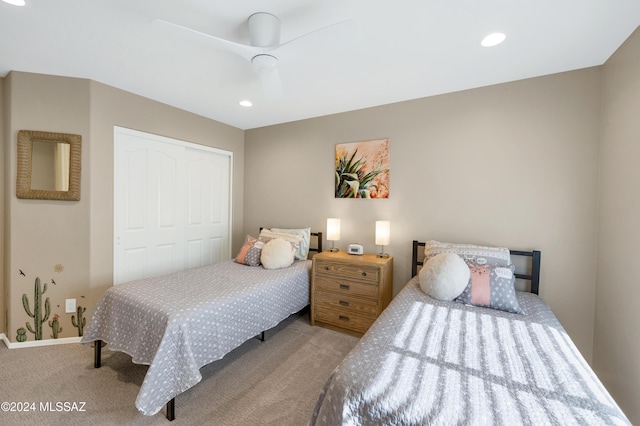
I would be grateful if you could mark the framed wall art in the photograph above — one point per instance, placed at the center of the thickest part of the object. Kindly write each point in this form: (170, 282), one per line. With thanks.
(362, 169)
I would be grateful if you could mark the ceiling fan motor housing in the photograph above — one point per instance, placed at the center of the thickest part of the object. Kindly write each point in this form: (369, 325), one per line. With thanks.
(264, 61)
(264, 30)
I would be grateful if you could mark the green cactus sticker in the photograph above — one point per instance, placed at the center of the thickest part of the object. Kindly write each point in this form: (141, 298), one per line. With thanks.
(38, 319)
(55, 327)
(82, 321)
(22, 334)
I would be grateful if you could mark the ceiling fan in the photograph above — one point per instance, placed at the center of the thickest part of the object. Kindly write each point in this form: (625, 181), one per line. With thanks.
(265, 50)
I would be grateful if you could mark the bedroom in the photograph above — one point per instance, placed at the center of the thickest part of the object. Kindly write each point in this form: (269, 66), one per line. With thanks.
(557, 153)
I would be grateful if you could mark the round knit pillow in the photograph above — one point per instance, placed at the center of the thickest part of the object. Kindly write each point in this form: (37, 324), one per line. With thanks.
(276, 254)
(444, 276)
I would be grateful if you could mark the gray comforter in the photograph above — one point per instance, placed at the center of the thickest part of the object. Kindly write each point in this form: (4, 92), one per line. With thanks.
(427, 362)
(180, 322)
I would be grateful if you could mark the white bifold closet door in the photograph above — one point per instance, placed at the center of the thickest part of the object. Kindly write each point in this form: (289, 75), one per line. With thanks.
(171, 205)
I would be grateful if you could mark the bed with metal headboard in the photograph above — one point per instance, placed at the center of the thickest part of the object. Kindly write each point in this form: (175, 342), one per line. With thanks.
(179, 322)
(430, 361)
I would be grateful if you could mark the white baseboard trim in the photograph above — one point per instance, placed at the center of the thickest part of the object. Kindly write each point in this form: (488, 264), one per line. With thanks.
(34, 343)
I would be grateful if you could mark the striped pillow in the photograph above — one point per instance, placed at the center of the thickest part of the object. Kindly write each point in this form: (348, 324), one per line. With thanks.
(478, 254)
(267, 235)
(303, 250)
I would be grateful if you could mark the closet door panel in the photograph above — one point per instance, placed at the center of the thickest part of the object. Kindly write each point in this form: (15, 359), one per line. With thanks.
(172, 203)
(208, 207)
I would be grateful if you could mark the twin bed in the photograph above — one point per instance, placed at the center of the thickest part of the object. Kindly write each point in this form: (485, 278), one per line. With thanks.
(424, 361)
(432, 362)
(180, 322)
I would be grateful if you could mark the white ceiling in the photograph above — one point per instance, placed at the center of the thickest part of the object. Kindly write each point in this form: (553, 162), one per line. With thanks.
(407, 49)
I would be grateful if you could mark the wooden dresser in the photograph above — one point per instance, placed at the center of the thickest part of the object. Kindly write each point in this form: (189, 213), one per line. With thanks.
(348, 292)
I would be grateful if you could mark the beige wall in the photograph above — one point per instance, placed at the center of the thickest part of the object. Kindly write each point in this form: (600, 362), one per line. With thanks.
(42, 233)
(512, 165)
(616, 340)
(79, 235)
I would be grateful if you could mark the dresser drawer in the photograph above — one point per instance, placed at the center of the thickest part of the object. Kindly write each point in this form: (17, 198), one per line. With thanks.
(347, 271)
(342, 286)
(344, 319)
(345, 303)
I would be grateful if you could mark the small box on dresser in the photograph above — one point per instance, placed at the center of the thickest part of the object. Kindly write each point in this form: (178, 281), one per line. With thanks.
(349, 292)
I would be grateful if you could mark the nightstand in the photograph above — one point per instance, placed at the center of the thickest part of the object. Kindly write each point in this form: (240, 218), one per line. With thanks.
(348, 292)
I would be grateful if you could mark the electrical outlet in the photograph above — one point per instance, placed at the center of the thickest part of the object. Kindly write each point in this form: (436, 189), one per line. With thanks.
(70, 305)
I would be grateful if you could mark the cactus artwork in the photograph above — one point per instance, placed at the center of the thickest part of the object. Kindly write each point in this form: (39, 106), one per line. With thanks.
(22, 334)
(55, 327)
(82, 321)
(38, 318)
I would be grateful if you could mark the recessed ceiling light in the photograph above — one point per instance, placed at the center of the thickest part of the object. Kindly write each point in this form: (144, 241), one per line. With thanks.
(493, 39)
(246, 103)
(15, 2)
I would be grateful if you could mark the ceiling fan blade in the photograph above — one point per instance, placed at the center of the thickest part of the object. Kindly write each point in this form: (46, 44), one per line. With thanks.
(271, 84)
(339, 35)
(244, 50)
(269, 76)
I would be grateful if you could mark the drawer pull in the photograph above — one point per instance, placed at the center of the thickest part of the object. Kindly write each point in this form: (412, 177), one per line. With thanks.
(344, 287)
(343, 318)
(326, 268)
(364, 274)
(344, 303)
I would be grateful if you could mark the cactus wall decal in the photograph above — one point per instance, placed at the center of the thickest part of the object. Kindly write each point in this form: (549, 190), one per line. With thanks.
(37, 316)
(82, 321)
(22, 334)
(55, 327)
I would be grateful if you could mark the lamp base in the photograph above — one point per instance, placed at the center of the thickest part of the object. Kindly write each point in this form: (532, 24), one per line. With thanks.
(383, 255)
(333, 250)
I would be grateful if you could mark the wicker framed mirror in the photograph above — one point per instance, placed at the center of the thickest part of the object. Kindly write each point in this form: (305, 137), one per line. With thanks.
(48, 165)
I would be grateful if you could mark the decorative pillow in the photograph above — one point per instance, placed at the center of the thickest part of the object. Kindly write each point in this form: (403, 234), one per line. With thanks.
(444, 276)
(491, 286)
(250, 252)
(303, 251)
(267, 235)
(469, 252)
(276, 254)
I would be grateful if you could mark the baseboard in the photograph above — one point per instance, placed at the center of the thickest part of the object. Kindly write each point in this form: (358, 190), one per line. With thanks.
(35, 343)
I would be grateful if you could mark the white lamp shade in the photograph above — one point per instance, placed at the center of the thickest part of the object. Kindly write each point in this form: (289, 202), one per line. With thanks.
(333, 229)
(383, 232)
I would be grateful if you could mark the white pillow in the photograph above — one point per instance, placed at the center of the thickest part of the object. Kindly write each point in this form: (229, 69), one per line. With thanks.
(303, 251)
(276, 254)
(444, 276)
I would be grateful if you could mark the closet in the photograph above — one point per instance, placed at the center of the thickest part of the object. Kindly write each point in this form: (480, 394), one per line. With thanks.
(172, 202)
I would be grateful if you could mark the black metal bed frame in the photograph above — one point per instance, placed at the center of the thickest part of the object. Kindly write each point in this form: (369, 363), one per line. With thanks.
(533, 277)
(171, 405)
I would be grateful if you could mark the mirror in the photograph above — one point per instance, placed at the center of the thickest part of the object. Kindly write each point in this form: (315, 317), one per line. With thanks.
(48, 165)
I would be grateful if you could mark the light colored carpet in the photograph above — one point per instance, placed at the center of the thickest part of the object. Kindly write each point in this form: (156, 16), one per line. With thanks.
(275, 382)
